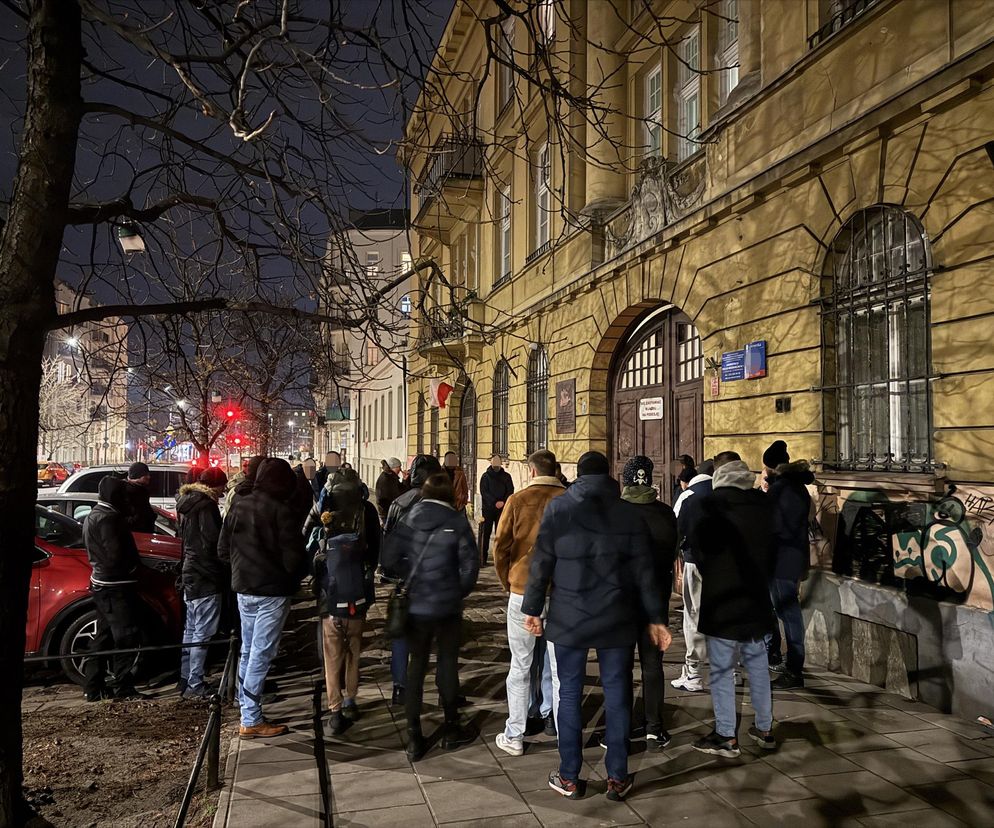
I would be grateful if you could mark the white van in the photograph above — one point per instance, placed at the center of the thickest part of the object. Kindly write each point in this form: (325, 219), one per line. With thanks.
(166, 480)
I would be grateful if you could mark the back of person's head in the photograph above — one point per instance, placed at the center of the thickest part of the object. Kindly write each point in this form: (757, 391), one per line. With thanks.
(544, 462)
(637, 471)
(734, 474)
(438, 486)
(422, 467)
(706, 468)
(687, 475)
(253, 467)
(276, 478)
(213, 478)
(724, 457)
(113, 490)
(592, 462)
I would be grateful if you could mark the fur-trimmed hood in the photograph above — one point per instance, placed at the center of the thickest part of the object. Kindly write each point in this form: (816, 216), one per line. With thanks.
(799, 470)
(193, 495)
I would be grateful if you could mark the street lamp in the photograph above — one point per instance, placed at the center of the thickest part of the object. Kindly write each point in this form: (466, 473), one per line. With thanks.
(130, 239)
(72, 341)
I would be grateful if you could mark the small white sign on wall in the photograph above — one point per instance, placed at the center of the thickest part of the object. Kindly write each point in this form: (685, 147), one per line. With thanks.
(651, 408)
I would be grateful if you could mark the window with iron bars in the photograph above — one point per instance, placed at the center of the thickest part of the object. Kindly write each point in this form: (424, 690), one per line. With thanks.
(502, 393)
(689, 355)
(877, 354)
(727, 21)
(421, 424)
(688, 95)
(538, 400)
(435, 439)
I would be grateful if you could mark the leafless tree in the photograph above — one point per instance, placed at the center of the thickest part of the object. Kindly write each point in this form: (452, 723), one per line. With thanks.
(64, 409)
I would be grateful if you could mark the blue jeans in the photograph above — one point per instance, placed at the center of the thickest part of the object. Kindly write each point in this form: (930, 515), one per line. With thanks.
(616, 679)
(398, 661)
(788, 606)
(202, 618)
(723, 654)
(263, 618)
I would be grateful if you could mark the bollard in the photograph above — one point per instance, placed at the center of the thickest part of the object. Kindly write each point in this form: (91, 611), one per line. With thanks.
(214, 744)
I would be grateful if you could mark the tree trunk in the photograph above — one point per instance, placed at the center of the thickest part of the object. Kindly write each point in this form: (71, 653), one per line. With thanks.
(29, 251)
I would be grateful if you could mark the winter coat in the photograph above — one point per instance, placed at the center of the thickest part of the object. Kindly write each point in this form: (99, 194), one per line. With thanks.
(592, 549)
(688, 513)
(495, 485)
(449, 558)
(202, 573)
(303, 498)
(791, 514)
(262, 542)
(518, 528)
(141, 516)
(110, 546)
(661, 522)
(343, 572)
(733, 540)
(388, 488)
(460, 485)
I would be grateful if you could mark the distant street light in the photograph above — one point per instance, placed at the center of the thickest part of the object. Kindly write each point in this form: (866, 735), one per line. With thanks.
(72, 341)
(130, 239)
(181, 404)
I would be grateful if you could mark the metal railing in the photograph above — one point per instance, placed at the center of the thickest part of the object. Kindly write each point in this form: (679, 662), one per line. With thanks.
(852, 10)
(453, 156)
(439, 326)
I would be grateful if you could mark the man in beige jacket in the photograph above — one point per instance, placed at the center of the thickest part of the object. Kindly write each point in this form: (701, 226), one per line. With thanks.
(513, 544)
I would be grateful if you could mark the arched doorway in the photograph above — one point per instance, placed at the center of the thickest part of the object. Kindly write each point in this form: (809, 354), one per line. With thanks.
(467, 437)
(657, 394)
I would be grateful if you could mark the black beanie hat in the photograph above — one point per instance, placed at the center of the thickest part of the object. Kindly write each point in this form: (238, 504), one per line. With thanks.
(687, 475)
(776, 455)
(630, 474)
(593, 462)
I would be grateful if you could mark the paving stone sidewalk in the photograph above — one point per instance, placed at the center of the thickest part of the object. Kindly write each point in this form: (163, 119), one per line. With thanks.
(851, 755)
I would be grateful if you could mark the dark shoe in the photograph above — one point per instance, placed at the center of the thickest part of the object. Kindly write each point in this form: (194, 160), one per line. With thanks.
(764, 740)
(550, 726)
(350, 710)
(337, 723)
(264, 730)
(457, 736)
(125, 694)
(462, 701)
(570, 788)
(397, 700)
(417, 747)
(636, 734)
(718, 745)
(788, 681)
(618, 789)
(202, 693)
(778, 667)
(656, 738)
(95, 695)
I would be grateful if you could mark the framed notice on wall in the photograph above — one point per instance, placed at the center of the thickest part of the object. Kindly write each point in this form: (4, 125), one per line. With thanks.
(566, 407)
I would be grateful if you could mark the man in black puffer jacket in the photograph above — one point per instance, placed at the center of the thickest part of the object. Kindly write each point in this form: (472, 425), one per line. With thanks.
(261, 539)
(113, 556)
(791, 512)
(592, 550)
(204, 578)
(433, 549)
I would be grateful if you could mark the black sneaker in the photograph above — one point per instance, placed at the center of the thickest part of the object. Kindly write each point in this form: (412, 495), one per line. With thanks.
(618, 789)
(778, 667)
(457, 736)
(656, 738)
(125, 694)
(95, 695)
(462, 701)
(764, 740)
(397, 700)
(571, 789)
(787, 681)
(350, 710)
(337, 723)
(636, 734)
(550, 726)
(417, 747)
(718, 745)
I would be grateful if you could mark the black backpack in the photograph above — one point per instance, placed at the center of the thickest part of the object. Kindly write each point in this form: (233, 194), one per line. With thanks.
(343, 546)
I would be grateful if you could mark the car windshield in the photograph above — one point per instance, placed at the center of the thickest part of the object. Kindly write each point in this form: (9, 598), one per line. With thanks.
(58, 529)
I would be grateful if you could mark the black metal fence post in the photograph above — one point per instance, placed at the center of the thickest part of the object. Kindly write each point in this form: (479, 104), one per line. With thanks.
(214, 744)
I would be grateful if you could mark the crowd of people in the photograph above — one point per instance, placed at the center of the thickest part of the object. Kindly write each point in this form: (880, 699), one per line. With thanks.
(587, 565)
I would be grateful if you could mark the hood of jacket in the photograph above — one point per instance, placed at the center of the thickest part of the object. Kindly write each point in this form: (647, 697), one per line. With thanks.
(596, 491)
(192, 495)
(113, 491)
(699, 478)
(736, 475)
(546, 480)
(639, 494)
(422, 467)
(429, 515)
(799, 471)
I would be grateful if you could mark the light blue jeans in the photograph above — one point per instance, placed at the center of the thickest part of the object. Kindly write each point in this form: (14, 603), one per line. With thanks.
(722, 655)
(202, 618)
(263, 618)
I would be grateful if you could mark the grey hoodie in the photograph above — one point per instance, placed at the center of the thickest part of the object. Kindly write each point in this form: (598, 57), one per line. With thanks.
(735, 474)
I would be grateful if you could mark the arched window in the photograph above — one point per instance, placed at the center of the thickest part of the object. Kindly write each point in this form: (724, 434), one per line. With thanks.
(877, 354)
(435, 443)
(502, 390)
(538, 400)
(421, 423)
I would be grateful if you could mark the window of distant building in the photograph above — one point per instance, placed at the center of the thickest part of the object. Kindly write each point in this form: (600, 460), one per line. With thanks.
(372, 264)
(435, 432)
(401, 411)
(688, 94)
(653, 108)
(505, 56)
(878, 410)
(727, 22)
(503, 234)
(538, 400)
(421, 424)
(405, 306)
(502, 393)
(389, 405)
(546, 18)
(543, 195)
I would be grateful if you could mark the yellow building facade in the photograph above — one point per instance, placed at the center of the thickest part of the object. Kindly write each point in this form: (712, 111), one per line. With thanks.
(670, 227)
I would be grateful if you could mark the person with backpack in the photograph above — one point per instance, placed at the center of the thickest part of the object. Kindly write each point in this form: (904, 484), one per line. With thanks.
(346, 550)
(433, 550)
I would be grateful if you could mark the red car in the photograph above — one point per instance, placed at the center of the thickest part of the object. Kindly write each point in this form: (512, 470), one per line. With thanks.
(61, 616)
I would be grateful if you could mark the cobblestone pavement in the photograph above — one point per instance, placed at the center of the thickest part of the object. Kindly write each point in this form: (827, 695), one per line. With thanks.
(850, 755)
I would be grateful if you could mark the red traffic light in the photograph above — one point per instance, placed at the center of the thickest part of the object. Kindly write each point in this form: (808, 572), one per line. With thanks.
(230, 413)
(238, 441)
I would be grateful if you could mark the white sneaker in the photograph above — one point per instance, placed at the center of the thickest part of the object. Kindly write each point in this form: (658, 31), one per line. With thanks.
(692, 684)
(516, 747)
(737, 678)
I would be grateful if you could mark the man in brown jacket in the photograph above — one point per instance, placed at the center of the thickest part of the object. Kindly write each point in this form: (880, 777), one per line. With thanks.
(513, 544)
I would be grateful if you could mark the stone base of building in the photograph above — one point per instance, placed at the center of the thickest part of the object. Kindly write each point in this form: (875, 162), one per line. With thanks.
(939, 652)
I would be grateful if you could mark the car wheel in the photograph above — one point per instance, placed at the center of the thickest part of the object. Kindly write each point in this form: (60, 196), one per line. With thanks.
(78, 639)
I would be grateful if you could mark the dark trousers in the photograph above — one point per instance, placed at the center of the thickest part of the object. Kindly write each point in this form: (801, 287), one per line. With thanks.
(788, 608)
(489, 525)
(118, 627)
(421, 632)
(616, 679)
(398, 661)
(653, 685)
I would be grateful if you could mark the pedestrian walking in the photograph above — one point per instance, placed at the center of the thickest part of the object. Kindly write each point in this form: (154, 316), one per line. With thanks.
(261, 540)
(496, 486)
(113, 557)
(513, 545)
(733, 537)
(347, 549)
(389, 485)
(592, 552)
(460, 485)
(433, 550)
(661, 522)
(204, 579)
(791, 501)
(332, 465)
(141, 515)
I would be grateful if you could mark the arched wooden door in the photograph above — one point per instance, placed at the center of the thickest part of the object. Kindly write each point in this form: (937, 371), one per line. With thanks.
(657, 402)
(467, 437)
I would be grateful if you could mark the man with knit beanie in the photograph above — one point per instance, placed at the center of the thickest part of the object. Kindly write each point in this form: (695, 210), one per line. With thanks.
(733, 539)
(592, 551)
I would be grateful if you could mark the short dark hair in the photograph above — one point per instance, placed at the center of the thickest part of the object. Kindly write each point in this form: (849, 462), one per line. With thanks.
(438, 486)
(448, 453)
(496, 454)
(543, 461)
(724, 457)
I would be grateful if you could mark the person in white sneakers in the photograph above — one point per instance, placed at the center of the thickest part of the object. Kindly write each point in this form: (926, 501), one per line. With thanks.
(513, 545)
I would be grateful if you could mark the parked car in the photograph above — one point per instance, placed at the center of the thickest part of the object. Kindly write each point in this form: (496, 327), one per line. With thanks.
(166, 480)
(79, 504)
(61, 617)
(51, 474)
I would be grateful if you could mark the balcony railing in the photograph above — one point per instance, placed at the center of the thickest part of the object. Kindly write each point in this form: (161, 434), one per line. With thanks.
(438, 326)
(850, 11)
(454, 156)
